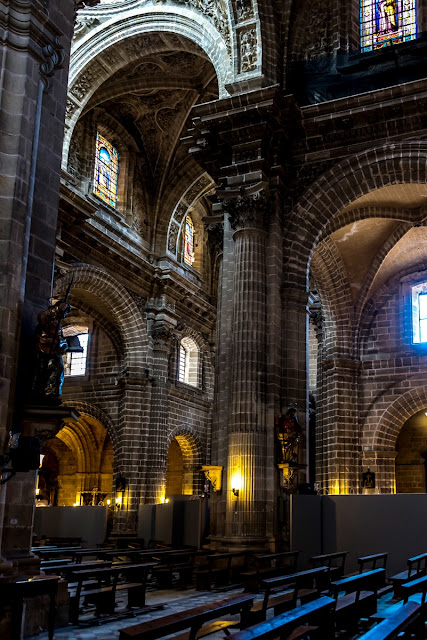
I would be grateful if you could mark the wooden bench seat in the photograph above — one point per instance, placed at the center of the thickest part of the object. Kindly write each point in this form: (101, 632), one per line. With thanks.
(283, 593)
(103, 595)
(406, 618)
(419, 585)
(291, 625)
(360, 599)
(181, 563)
(334, 561)
(192, 619)
(416, 568)
(269, 565)
(220, 569)
(375, 561)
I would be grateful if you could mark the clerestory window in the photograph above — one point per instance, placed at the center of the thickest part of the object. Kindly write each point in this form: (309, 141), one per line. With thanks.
(106, 171)
(188, 362)
(386, 22)
(189, 241)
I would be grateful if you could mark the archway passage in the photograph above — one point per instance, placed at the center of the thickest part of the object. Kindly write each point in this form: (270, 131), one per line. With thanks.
(411, 459)
(78, 465)
(180, 468)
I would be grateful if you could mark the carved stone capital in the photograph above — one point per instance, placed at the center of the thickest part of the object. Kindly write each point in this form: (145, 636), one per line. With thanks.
(216, 236)
(214, 475)
(248, 211)
(162, 336)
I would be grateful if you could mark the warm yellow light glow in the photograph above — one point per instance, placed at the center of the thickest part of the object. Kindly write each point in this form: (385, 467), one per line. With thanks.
(119, 500)
(236, 482)
(166, 500)
(108, 502)
(425, 413)
(76, 504)
(37, 491)
(41, 459)
(162, 499)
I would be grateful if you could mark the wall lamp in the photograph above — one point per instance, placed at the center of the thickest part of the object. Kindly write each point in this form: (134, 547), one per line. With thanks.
(236, 492)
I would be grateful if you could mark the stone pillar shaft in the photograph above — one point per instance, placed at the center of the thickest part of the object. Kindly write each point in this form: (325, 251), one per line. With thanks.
(246, 472)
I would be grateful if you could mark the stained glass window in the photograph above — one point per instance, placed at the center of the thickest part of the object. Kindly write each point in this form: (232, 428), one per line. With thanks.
(419, 313)
(189, 241)
(106, 171)
(386, 22)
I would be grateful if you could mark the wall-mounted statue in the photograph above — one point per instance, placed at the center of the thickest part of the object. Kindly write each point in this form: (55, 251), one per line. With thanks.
(50, 345)
(288, 432)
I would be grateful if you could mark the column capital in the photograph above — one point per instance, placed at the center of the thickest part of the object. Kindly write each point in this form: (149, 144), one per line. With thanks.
(162, 335)
(248, 211)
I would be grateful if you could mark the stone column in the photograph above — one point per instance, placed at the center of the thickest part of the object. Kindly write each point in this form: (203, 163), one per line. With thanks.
(341, 426)
(155, 477)
(246, 473)
(295, 364)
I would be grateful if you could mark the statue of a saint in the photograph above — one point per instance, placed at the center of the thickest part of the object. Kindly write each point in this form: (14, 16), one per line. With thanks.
(50, 345)
(288, 432)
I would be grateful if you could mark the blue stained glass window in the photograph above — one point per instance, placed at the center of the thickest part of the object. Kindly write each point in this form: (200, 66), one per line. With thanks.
(419, 313)
(386, 22)
(106, 171)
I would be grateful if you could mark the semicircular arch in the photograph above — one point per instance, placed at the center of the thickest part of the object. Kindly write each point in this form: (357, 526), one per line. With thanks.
(121, 307)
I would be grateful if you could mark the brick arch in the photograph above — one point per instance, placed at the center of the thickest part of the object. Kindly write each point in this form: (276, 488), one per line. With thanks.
(338, 188)
(394, 417)
(95, 412)
(189, 442)
(121, 307)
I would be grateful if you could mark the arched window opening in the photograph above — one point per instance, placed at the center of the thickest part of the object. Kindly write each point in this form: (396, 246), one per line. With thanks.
(419, 313)
(106, 171)
(386, 22)
(188, 362)
(189, 241)
(75, 362)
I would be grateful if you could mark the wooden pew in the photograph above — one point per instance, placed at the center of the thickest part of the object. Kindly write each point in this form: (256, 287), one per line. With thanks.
(219, 570)
(291, 624)
(14, 593)
(268, 566)
(47, 554)
(419, 585)
(181, 562)
(360, 599)
(283, 592)
(417, 567)
(66, 570)
(367, 563)
(334, 561)
(407, 618)
(103, 595)
(192, 619)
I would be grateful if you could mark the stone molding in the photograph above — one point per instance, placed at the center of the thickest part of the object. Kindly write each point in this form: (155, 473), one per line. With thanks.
(163, 336)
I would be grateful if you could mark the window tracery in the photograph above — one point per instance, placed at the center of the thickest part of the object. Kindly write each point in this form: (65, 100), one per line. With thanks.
(106, 171)
(386, 22)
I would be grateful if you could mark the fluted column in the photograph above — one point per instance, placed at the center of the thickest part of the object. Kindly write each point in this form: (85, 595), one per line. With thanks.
(245, 512)
(155, 482)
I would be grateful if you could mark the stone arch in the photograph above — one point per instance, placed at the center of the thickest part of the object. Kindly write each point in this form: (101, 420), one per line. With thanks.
(191, 457)
(120, 306)
(336, 189)
(396, 413)
(97, 413)
(92, 62)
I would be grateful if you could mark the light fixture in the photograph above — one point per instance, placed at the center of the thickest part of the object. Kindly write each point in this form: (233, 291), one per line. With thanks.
(236, 492)
(166, 500)
(119, 501)
(108, 503)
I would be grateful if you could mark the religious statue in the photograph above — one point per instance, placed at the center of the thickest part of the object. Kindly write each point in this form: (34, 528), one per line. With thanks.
(288, 432)
(387, 10)
(50, 345)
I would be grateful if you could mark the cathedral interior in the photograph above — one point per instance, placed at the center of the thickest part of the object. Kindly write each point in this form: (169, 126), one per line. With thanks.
(213, 293)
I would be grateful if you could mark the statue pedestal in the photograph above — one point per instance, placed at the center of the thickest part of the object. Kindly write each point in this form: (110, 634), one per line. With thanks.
(288, 473)
(43, 422)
